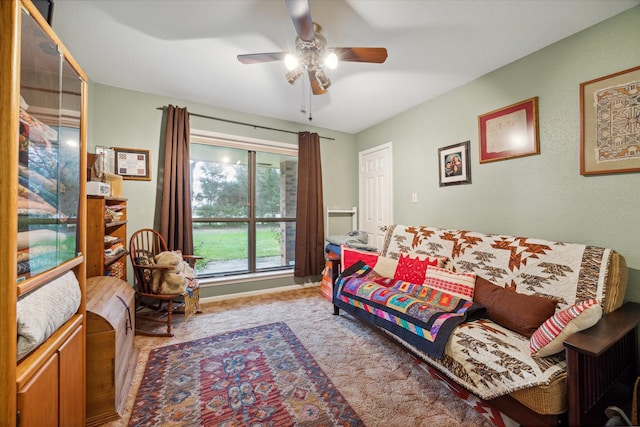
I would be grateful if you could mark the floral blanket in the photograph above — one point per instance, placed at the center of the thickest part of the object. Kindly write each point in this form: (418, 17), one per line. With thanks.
(421, 316)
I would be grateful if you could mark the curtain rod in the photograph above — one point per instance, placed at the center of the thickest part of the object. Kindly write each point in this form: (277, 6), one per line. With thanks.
(247, 124)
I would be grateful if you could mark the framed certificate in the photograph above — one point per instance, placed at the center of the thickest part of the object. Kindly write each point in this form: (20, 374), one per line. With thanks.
(133, 164)
(509, 132)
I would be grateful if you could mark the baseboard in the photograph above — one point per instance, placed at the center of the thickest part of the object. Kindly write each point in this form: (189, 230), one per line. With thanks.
(257, 293)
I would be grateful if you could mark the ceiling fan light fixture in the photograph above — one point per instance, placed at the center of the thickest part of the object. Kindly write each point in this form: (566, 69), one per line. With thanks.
(294, 75)
(291, 62)
(331, 61)
(322, 79)
(311, 55)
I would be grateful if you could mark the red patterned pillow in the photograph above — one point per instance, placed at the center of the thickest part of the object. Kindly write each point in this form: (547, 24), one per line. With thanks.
(350, 256)
(413, 270)
(458, 284)
(550, 336)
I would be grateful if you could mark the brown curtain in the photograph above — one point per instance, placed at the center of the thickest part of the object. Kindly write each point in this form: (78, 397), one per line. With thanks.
(175, 209)
(309, 218)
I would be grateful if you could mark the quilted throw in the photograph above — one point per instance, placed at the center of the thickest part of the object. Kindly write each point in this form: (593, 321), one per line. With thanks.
(568, 272)
(420, 315)
(482, 356)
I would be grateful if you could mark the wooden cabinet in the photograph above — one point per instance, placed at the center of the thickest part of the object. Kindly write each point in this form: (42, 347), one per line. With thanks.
(71, 379)
(49, 397)
(43, 210)
(111, 354)
(40, 392)
(107, 226)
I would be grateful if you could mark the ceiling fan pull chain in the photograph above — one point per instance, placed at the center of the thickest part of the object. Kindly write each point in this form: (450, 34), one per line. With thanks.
(310, 98)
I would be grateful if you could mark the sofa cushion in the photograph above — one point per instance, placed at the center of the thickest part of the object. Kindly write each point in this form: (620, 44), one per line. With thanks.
(350, 256)
(490, 360)
(519, 312)
(457, 284)
(412, 269)
(550, 336)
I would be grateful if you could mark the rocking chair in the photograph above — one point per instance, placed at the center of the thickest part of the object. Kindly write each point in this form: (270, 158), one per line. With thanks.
(152, 303)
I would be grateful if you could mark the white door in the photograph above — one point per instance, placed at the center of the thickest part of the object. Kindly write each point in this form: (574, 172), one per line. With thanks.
(376, 192)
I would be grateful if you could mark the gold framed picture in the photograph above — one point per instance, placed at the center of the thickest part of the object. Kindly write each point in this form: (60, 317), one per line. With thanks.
(610, 123)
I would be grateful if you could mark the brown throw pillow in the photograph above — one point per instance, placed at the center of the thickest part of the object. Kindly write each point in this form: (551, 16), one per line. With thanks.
(519, 312)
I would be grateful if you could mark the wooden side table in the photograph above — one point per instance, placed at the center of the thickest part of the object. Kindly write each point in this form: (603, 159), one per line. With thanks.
(601, 365)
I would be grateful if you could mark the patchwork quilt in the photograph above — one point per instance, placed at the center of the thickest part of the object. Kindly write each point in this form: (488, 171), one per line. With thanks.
(420, 315)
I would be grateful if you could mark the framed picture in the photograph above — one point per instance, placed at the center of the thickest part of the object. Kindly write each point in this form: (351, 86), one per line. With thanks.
(132, 164)
(454, 164)
(610, 123)
(509, 132)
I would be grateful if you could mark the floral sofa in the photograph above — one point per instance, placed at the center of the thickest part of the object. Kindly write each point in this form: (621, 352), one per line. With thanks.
(517, 301)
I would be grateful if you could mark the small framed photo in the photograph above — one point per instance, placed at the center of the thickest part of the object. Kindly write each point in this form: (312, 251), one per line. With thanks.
(610, 123)
(132, 164)
(509, 132)
(454, 164)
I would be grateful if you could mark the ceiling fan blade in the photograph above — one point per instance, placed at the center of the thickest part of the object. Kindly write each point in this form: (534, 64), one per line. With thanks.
(315, 86)
(256, 58)
(301, 17)
(361, 54)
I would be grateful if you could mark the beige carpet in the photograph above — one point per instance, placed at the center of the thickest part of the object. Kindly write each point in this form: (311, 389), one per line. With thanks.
(383, 384)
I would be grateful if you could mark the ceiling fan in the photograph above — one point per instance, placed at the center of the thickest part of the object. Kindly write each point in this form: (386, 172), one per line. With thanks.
(312, 51)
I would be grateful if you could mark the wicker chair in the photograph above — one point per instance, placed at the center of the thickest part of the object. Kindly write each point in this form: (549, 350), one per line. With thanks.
(151, 305)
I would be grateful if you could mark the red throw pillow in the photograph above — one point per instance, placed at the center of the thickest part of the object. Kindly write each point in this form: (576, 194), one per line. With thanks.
(350, 256)
(521, 313)
(413, 270)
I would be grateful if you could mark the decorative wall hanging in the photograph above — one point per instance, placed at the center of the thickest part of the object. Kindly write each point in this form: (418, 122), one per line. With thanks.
(509, 132)
(454, 164)
(133, 164)
(610, 123)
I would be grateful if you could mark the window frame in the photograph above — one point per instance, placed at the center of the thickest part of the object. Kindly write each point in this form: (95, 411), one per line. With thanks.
(252, 146)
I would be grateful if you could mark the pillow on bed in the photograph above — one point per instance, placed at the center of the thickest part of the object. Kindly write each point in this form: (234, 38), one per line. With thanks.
(350, 256)
(457, 284)
(550, 336)
(520, 313)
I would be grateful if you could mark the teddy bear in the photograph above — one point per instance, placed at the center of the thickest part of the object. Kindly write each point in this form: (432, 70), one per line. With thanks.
(174, 280)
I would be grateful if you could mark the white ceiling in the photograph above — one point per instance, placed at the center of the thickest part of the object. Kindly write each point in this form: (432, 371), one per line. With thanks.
(186, 49)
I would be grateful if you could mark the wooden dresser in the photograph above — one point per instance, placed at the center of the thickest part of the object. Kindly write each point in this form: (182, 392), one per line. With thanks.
(111, 353)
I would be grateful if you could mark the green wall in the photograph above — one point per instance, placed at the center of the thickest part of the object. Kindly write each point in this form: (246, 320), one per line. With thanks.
(540, 196)
(124, 118)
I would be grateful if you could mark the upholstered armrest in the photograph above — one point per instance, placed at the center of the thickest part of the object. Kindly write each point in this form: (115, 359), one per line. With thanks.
(609, 330)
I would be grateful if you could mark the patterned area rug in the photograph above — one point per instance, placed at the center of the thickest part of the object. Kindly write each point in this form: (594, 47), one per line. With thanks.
(261, 376)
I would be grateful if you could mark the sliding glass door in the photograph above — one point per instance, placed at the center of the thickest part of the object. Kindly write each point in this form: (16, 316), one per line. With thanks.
(244, 203)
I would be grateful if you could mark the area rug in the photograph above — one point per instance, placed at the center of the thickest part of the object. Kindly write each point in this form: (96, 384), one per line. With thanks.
(261, 376)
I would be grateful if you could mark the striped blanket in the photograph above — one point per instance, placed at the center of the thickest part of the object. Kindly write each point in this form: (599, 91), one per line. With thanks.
(418, 314)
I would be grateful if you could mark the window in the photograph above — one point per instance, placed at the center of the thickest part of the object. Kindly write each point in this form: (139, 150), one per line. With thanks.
(244, 205)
